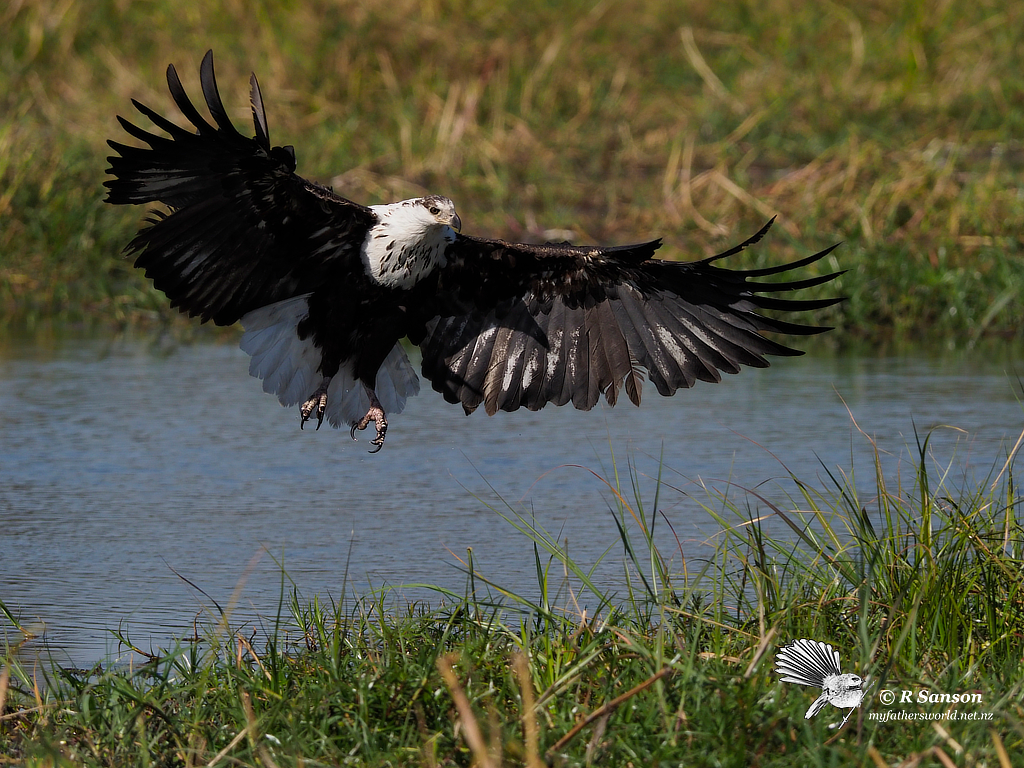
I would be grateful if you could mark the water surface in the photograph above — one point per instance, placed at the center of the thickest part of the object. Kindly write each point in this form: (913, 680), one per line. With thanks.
(123, 464)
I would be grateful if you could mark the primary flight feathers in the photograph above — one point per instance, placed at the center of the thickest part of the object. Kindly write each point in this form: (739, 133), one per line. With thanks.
(326, 288)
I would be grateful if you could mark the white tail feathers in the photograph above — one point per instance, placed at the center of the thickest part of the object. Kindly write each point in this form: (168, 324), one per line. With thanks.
(286, 364)
(347, 401)
(289, 366)
(807, 662)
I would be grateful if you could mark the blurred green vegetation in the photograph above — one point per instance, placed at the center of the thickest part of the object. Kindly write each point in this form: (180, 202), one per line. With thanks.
(892, 126)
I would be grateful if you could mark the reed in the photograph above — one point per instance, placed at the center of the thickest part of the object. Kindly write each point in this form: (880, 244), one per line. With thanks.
(893, 128)
(916, 579)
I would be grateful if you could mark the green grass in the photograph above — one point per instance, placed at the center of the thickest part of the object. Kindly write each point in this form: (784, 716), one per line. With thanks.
(919, 583)
(894, 127)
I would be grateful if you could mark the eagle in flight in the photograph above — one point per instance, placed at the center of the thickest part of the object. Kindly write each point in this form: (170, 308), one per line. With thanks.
(326, 288)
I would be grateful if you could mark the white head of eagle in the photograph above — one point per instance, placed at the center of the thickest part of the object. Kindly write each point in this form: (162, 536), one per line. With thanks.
(409, 240)
(327, 288)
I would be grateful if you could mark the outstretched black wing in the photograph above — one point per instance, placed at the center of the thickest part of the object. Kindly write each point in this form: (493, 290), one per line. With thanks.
(807, 662)
(525, 325)
(244, 231)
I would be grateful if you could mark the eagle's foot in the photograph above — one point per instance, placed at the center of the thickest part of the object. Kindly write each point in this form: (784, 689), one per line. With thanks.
(316, 402)
(375, 413)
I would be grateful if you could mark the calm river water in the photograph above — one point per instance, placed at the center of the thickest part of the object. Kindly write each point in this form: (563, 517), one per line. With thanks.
(124, 463)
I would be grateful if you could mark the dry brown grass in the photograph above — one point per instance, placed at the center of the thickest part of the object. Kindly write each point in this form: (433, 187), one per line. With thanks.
(893, 127)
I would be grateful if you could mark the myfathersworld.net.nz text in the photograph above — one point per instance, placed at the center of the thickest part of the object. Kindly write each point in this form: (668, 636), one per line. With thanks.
(950, 714)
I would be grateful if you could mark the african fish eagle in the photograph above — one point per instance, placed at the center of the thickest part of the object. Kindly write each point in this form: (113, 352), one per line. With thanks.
(326, 288)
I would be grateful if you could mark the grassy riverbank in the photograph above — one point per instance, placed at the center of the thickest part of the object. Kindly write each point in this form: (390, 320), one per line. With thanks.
(918, 583)
(895, 128)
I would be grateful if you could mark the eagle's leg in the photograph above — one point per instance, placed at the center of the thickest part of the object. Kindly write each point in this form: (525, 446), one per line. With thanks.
(375, 413)
(316, 402)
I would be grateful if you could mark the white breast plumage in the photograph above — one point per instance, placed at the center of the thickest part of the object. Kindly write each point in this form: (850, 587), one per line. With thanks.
(406, 244)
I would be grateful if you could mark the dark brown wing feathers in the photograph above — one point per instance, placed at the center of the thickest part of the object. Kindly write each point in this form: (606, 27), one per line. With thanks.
(576, 323)
(244, 231)
(503, 325)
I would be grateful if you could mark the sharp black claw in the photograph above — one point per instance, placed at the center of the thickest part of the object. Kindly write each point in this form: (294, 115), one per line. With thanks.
(375, 414)
(316, 402)
(382, 431)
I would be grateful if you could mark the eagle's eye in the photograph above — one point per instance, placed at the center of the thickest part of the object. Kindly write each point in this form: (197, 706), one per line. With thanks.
(434, 210)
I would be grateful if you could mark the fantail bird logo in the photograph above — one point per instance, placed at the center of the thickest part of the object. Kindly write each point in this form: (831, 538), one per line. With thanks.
(810, 662)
